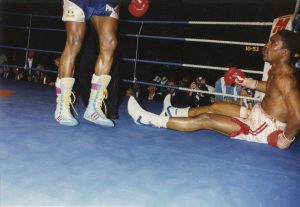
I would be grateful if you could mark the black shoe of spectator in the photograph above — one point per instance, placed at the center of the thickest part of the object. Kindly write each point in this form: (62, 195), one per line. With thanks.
(112, 116)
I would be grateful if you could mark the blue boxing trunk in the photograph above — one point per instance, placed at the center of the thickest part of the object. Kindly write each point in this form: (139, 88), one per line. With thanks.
(81, 10)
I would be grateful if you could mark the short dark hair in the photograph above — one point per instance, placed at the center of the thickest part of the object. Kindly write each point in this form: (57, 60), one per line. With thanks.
(291, 41)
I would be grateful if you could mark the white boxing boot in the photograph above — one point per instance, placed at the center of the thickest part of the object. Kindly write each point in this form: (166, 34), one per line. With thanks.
(171, 111)
(63, 101)
(143, 117)
(94, 111)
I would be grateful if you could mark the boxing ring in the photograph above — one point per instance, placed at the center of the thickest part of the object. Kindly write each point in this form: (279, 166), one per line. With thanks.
(46, 164)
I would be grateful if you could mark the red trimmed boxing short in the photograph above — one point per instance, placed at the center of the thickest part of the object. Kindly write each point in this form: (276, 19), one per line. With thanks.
(257, 126)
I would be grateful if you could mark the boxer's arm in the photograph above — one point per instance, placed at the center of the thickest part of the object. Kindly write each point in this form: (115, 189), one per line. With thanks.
(293, 117)
(288, 90)
(261, 86)
(292, 99)
(235, 75)
(252, 84)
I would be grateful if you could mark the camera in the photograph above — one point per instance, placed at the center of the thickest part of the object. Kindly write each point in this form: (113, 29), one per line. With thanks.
(250, 91)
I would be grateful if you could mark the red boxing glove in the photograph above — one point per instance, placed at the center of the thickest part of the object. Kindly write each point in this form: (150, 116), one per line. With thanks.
(138, 7)
(232, 74)
(278, 139)
(273, 137)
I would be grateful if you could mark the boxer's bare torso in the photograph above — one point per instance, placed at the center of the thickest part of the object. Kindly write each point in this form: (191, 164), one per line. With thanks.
(280, 88)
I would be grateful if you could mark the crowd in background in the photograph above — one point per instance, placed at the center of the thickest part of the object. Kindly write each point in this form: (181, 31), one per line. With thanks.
(29, 68)
(196, 91)
(33, 72)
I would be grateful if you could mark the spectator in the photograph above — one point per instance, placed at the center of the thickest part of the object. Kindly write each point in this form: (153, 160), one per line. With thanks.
(7, 73)
(13, 60)
(151, 93)
(204, 98)
(184, 82)
(175, 95)
(3, 60)
(161, 79)
(32, 62)
(221, 87)
(135, 89)
(247, 102)
(192, 99)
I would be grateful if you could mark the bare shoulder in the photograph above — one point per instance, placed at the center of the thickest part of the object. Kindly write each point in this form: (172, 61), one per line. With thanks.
(286, 81)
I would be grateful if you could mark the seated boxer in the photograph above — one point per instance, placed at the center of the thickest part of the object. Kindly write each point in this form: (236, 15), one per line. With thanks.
(104, 17)
(276, 120)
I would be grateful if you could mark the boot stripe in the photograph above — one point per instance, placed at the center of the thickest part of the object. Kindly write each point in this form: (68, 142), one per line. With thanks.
(59, 118)
(169, 111)
(95, 86)
(58, 91)
(139, 121)
(95, 116)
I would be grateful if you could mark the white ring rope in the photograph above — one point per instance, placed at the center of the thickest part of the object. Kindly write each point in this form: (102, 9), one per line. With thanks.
(188, 65)
(232, 23)
(224, 42)
(195, 40)
(202, 22)
(194, 90)
(220, 94)
(219, 68)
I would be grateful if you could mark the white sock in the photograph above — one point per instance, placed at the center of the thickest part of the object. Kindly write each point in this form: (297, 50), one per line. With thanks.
(143, 117)
(158, 121)
(103, 80)
(57, 82)
(179, 112)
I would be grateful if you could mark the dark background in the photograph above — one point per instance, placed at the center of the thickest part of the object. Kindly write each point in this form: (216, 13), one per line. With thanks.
(153, 49)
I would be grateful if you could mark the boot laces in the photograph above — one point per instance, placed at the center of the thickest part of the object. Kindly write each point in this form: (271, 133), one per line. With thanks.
(69, 99)
(101, 96)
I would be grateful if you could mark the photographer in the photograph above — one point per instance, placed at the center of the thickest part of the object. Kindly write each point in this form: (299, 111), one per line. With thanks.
(248, 93)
